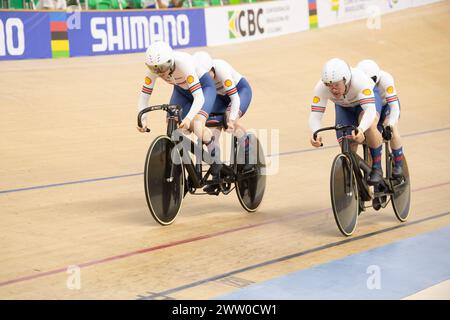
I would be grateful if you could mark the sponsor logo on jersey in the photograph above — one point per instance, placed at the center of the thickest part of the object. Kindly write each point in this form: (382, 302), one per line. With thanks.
(316, 99)
(148, 81)
(390, 89)
(367, 92)
(190, 79)
(228, 83)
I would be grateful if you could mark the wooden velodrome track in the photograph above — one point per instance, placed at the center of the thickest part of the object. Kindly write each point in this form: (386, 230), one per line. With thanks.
(72, 120)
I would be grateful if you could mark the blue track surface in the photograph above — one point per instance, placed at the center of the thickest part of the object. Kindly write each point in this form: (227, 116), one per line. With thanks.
(393, 271)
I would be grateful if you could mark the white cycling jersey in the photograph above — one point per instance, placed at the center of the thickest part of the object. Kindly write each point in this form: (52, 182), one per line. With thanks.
(388, 95)
(185, 74)
(359, 92)
(226, 79)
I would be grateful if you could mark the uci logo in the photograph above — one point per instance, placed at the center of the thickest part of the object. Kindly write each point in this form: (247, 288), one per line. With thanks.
(245, 23)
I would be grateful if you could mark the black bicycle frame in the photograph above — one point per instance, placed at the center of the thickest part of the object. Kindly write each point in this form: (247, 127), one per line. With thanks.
(172, 110)
(194, 170)
(357, 163)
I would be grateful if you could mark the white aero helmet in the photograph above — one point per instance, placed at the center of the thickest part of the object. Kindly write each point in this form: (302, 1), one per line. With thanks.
(159, 57)
(370, 68)
(203, 60)
(336, 70)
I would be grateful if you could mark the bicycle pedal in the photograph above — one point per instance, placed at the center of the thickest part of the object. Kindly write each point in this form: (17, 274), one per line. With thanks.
(214, 193)
(376, 206)
(400, 180)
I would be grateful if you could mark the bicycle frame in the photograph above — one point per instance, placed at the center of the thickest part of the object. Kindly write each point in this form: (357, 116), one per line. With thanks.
(357, 163)
(194, 170)
(354, 169)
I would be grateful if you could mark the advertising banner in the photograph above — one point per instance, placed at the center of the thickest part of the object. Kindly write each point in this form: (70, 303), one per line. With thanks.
(24, 35)
(255, 21)
(332, 12)
(111, 32)
(47, 34)
(416, 3)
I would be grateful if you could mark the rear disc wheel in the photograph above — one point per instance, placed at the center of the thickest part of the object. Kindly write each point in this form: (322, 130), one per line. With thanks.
(401, 196)
(251, 175)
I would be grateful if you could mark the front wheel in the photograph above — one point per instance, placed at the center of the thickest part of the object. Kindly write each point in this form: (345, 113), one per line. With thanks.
(401, 196)
(251, 175)
(164, 180)
(344, 195)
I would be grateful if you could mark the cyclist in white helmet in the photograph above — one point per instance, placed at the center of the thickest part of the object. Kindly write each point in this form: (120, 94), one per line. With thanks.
(234, 95)
(390, 113)
(193, 89)
(356, 103)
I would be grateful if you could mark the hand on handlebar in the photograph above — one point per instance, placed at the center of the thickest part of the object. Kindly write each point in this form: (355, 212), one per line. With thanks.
(316, 143)
(358, 136)
(230, 125)
(185, 124)
(143, 129)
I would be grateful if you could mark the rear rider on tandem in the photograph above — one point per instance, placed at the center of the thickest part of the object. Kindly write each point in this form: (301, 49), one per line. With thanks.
(234, 95)
(390, 113)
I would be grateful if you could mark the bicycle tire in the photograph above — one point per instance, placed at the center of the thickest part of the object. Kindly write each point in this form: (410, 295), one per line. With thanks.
(250, 191)
(345, 204)
(164, 198)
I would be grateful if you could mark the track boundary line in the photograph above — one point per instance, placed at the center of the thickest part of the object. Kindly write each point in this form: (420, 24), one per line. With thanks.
(46, 186)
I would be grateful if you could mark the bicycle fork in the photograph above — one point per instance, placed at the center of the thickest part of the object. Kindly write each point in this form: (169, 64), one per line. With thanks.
(348, 181)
